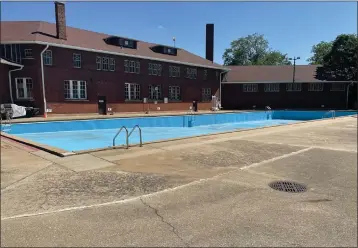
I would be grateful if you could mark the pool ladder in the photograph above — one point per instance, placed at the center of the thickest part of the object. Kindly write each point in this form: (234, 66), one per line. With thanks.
(333, 112)
(268, 111)
(128, 135)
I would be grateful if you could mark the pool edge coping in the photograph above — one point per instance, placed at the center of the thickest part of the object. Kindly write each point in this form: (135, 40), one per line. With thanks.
(64, 153)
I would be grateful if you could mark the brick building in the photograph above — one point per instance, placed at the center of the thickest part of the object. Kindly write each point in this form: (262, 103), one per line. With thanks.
(247, 87)
(78, 67)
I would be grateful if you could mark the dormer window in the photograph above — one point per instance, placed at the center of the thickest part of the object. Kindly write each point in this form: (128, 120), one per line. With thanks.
(121, 42)
(165, 50)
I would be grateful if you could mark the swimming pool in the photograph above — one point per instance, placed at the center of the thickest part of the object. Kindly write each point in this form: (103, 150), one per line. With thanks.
(78, 135)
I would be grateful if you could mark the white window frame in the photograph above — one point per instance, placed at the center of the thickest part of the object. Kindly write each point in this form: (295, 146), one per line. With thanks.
(338, 87)
(205, 76)
(131, 66)
(28, 54)
(250, 87)
(153, 94)
(206, 95)
(99, 63)
(27, 92)
(105, 64)
(154, 69)
(132, 88)
(174, 71)
(112, 64)
(191, 73)
(317, 87)
(71, 89)
(47, 57)
(174, 93)
(272, 87)
(77, 63)
(293, 87)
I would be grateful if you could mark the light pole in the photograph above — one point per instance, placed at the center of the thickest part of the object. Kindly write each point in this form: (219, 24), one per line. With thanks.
(294, 67)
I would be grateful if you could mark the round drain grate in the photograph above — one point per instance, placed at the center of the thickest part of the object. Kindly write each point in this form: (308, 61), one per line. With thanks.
(288, 186)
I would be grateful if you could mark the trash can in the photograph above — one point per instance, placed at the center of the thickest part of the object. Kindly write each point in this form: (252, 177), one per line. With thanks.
(195, 106)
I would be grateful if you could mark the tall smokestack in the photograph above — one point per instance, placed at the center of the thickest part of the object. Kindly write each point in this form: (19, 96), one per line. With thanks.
(60, 20)
(210, 42)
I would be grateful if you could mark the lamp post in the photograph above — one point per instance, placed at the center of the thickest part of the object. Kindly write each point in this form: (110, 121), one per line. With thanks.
(294, 67)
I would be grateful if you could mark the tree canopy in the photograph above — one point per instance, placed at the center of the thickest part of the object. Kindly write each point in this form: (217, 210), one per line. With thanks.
(253, 50)
(319, 51)
(340, 63)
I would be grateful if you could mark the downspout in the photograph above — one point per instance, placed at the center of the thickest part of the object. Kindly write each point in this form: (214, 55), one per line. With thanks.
(220, 86)
(10, 85)
(348, 94)
(43, 81)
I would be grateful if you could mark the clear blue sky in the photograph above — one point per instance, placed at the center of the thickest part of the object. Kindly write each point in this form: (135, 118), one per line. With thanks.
(291, 27)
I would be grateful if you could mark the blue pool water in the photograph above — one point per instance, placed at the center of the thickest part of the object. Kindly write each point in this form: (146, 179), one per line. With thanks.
(93, 134)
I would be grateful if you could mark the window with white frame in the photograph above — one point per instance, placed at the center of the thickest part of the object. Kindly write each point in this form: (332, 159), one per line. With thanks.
(75, 90)
(155, 69)
(272, 87)
(28, 53)
(294, 87)
(315, 87)
(99, 63)
(206, 94)
(249, 87)
(174, 93)
(131, 66)
(338, 87)
(23, 88)
(191, 73)
(112, 64)
(77, 60)
(132, 91)
(174, 71)
(155, 92)
(105, 63)
(205, 74)
(47, 57)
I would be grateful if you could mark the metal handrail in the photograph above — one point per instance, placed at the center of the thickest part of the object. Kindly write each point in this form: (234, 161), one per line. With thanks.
(331, 111)
(140, 134)
(114, 139)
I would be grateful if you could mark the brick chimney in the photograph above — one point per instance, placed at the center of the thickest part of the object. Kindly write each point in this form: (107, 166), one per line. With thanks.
(60, 20)
(210, 42)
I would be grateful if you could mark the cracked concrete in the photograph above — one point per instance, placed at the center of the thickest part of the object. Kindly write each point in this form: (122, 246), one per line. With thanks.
(162, 219)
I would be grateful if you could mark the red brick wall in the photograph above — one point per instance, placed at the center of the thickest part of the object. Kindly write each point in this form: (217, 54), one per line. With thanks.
(234, 98)
(4, 85)
(107, 83)
(78, 107)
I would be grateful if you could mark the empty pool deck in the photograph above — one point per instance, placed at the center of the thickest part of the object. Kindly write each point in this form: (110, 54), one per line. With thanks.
(203, 191)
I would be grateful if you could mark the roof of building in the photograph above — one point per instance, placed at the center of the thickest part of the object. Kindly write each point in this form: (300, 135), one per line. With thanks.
(272, 74)
(43, 33)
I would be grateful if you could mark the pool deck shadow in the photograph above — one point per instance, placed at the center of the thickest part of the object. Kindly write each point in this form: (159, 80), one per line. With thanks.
(204, 191)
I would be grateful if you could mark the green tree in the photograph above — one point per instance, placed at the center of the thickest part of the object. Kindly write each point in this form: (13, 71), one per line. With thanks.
(253, 50)
(319, 51)
(340, 63)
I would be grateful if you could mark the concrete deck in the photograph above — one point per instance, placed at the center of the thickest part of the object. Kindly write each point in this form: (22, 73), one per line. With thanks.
(205, 191)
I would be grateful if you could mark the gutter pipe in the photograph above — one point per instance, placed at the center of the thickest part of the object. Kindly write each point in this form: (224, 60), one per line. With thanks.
(43, 81)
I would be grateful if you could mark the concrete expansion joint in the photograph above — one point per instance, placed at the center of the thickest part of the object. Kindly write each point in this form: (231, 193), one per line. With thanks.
(162, 219)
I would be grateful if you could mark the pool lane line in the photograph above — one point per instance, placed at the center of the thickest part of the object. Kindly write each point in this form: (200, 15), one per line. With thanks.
(150, 194)
(276, 158)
